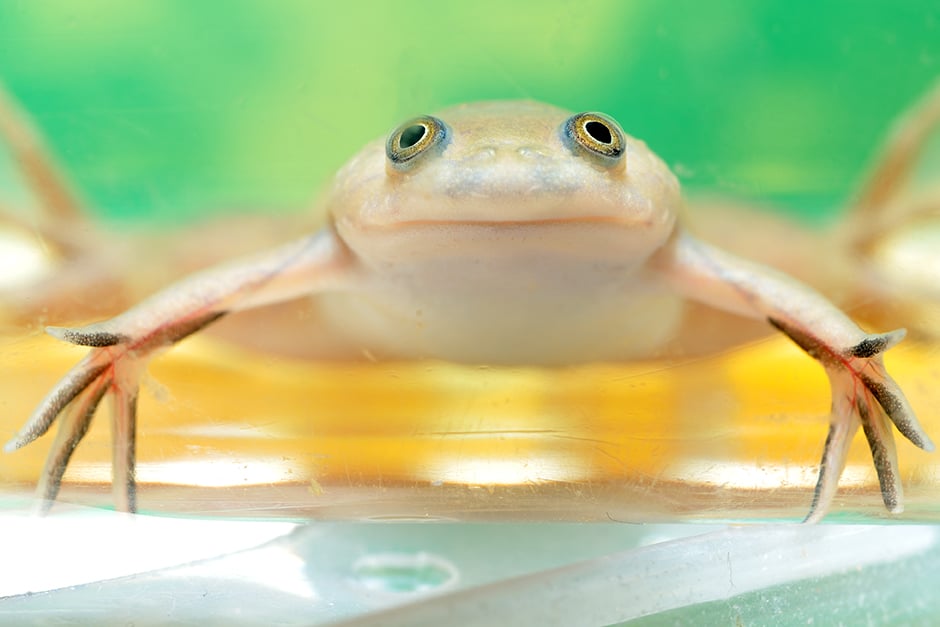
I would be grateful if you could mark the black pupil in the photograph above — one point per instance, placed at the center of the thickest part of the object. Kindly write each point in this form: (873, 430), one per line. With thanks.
(411, 135)
(598, 131)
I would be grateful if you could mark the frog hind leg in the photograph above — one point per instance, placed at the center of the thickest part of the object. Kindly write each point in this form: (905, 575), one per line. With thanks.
(894, 164)
(55, 223)
(55, 196)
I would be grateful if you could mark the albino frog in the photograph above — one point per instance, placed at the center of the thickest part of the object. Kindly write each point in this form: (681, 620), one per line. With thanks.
(496, 233)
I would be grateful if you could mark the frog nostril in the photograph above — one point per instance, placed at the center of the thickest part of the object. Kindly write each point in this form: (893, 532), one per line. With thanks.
(506, 153)
(484, 153)
(530, 152)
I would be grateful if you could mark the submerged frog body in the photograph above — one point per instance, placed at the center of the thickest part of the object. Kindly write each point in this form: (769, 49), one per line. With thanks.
(497, 233)
(506, 242)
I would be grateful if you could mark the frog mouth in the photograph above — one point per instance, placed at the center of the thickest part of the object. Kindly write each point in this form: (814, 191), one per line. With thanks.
(495, 227)
(502, 210)
(588, 237)
(621, 221)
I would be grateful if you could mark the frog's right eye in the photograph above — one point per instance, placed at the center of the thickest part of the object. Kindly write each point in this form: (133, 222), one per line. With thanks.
(413, 139)
(595, 135)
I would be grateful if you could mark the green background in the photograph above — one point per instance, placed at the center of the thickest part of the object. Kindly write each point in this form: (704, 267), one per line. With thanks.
(166, 110)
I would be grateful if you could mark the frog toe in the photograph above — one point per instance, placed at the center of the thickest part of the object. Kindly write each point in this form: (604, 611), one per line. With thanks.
(877, 428)
(835, 452)
(123, 443)
(83, 375)
(892, 401)
(73, 425)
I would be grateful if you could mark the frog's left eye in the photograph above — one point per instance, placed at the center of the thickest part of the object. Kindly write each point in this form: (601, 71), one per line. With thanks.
(595, 134)
(413, 139)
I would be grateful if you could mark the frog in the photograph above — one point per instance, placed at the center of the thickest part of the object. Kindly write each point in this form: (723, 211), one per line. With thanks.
(497, 233)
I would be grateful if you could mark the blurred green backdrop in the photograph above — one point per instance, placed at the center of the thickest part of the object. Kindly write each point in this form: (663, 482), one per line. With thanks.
(163, 110)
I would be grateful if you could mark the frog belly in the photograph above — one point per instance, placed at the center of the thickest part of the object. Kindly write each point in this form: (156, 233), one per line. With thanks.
(517, 326)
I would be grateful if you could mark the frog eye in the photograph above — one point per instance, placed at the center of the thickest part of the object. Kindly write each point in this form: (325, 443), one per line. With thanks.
(595, 134)
(413, 139)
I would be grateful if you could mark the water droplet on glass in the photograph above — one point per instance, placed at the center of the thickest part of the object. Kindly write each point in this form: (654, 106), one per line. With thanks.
(404, 573)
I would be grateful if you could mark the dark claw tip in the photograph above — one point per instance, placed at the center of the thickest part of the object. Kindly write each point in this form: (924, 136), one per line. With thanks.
(869, 347)
(81, 337)
(876, 344)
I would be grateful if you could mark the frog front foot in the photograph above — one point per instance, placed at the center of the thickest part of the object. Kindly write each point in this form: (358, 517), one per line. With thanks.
(863, 394)
(112, 368)
(108, 370)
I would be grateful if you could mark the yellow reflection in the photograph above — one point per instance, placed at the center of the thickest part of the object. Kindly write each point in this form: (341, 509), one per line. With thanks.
(748, 476)
(213, 473)
(508, 471)
(236, 431)
(217, 474)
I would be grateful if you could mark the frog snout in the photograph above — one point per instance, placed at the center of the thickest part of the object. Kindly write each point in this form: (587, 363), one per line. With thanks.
(509, 153)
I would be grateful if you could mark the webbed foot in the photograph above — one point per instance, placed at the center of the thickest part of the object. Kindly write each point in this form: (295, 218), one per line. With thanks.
(113, 371)
(112, 368)
(863, 394)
